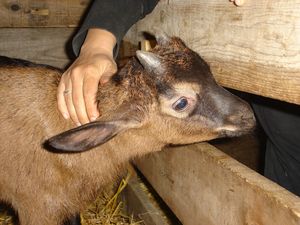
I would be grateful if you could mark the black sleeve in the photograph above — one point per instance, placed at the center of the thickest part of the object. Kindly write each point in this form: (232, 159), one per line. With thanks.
(116, 16)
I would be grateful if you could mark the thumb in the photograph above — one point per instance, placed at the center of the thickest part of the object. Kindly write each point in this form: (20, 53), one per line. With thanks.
(105, 78)
(107, 75)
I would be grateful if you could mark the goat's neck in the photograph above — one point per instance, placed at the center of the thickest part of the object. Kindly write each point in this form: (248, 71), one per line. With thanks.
(104, 162)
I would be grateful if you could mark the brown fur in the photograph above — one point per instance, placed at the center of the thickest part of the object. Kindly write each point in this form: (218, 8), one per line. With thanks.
(47, 187)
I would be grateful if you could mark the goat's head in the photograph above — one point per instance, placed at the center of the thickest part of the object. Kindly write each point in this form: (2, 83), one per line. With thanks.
(171, 93)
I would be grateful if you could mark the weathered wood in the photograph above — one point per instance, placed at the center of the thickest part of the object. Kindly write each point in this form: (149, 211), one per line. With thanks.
(46, 13)
(141, 205)
(40, 45)
(204, 186)
(254, 48)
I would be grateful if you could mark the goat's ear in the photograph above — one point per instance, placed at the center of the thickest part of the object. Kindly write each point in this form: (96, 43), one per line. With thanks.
(150, 61)
(87, 136)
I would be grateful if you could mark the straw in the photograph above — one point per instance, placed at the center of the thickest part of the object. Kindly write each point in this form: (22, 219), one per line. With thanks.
(107, 209)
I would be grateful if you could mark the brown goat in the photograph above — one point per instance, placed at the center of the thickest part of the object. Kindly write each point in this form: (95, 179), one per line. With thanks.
(168, 96)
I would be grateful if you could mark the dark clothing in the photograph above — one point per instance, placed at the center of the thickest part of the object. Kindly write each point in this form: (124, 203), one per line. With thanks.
(282, 126)
(116, 16)
(281, 123)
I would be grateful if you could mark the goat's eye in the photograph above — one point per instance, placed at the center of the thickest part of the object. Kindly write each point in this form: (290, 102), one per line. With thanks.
(180, 104)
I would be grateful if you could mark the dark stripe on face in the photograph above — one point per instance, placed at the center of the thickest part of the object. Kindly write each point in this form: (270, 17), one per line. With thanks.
(165, 90)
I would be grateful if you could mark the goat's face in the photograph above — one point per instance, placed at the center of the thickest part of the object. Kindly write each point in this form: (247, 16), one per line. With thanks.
(191, 106)
(171, 94)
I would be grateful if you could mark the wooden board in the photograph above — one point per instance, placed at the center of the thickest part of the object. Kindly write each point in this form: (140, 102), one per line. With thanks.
(141, 205)
(40, 45)
(204, 186)
(254, 48)
(46, 13)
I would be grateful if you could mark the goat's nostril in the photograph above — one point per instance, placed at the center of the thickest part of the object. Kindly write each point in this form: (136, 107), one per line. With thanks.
(241, 117)
(235, 117)
(246, 117)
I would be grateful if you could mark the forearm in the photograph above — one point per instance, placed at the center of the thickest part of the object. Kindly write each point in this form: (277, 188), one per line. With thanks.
(115, 16)
(99, 41)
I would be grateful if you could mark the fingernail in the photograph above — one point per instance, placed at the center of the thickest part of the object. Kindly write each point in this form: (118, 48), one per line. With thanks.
(78, 124)
(93, 118)
(66, 116)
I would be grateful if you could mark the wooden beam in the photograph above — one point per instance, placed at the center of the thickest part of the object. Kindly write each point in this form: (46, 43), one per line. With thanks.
(46, 13)
(139, 203)
(40, 45)
(254, 48)
(204, 186)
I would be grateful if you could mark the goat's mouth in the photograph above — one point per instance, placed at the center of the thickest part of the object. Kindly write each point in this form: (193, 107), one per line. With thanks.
(227, 133)
(235, 131)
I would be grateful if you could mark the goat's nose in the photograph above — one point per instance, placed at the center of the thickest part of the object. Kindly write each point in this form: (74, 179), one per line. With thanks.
(242, 115)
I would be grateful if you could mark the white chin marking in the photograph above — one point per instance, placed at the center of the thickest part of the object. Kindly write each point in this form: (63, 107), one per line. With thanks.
(228, 128)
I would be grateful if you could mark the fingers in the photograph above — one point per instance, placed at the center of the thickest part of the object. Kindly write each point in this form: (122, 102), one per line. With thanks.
(238, 2)
(91, 84)
(110, 71)
(90, 88)
(62, 107)
(76, 94)
(78, 102)
(70, 98)
(69, 102)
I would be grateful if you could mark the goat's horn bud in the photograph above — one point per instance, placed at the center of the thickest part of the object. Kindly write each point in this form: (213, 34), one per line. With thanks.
(150, 61)
(161, 37)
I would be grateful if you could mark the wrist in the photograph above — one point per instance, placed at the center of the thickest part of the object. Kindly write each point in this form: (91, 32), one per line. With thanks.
(99, 41)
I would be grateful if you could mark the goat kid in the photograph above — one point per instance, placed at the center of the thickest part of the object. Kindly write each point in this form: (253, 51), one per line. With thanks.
(166, 96)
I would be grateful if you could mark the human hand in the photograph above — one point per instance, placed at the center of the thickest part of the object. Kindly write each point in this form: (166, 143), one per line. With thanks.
(77, 90)
(238, 2)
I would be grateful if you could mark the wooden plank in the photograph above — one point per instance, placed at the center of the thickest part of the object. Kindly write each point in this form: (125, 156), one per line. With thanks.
(141, 205)
(46, 13)
(40, 45)
(254, 48)
(50, 46)
(204, 186)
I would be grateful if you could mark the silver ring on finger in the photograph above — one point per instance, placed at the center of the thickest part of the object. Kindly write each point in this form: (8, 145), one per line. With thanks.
(67, 91)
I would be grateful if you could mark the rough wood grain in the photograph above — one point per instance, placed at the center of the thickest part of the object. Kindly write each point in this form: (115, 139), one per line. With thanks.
(140, 204)
(254, 48)
(204, 186)
(46, 13)
(40, 45)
